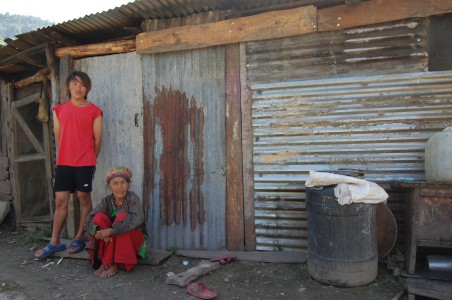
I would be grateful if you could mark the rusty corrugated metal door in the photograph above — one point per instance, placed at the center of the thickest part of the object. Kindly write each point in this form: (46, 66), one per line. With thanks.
(120, 98)
(184, 132)
(317, 107)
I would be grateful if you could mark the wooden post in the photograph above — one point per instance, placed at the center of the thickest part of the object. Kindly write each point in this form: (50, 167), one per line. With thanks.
(235, 232)
(247, 154)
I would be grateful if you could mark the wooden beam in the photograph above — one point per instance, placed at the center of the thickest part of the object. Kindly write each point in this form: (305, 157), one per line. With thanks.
(275, 24)
(63, 39)
(66, 68)
(4, 111)
(20, 55)
(23, 57)
(97, 49)
(38, 77)
(52, 63)
(378, 11)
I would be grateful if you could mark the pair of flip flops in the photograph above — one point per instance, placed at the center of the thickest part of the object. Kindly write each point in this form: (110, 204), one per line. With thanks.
(75, 247)
(199, 289)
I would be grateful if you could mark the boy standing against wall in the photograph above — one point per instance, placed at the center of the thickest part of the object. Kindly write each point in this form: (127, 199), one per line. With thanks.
(77, 126)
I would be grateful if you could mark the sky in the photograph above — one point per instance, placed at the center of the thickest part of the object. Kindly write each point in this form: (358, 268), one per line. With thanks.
(58, 11)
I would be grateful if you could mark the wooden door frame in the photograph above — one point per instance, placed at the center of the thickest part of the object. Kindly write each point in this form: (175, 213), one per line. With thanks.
(43, 151)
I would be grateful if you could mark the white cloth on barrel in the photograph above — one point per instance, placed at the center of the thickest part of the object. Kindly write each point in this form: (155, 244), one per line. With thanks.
(348, 189)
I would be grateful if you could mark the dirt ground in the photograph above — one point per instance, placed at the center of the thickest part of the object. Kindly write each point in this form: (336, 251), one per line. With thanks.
(22, 277)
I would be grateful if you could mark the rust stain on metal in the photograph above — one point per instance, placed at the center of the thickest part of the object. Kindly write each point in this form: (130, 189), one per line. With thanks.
(148, 135)
(181, 121)
(272, 158)
(196, 136)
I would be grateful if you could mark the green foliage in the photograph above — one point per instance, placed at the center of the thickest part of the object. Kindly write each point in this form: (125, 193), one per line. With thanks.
(38, 235)
(12, 25)
(304, 267)
(173, 249)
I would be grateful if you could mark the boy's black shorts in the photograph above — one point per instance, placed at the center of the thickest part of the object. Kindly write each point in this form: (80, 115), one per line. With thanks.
(74, 178)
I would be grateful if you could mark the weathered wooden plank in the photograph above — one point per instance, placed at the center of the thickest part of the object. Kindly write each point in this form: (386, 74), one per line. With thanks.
(23, 124)
(247, 154)
(4, 168)
(4, 174)
(4, 162)
(372, 12)
(54, 74)
(9, 94)
(3, 118)
(155, 256)
(25, 101)
(97, 49)
(4, 197)
(435, 289)
(426, 274)
(234, 183)
(259, 256)
(269, 25)
(184, 278)
(5, 187)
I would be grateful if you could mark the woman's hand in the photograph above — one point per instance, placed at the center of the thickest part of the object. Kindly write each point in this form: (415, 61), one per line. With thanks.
(104, 234)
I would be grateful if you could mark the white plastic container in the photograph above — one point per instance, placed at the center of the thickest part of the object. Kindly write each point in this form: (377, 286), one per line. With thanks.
(438, 157)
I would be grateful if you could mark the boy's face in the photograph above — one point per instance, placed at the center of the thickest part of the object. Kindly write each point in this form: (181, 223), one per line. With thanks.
(77, 89)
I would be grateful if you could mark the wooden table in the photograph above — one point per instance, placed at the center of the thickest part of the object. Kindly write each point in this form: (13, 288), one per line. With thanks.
(428, 218)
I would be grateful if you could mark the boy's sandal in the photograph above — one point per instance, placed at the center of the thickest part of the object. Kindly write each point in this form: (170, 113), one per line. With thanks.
(76, 246)
(48, 250)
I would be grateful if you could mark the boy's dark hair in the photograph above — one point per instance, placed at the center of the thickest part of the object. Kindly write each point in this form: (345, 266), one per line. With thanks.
(86, 81)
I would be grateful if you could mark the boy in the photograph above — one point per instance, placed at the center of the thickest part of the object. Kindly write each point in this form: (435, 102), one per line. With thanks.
(77, 126)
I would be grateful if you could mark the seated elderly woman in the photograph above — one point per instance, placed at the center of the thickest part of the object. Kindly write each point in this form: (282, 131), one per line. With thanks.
(114, 227)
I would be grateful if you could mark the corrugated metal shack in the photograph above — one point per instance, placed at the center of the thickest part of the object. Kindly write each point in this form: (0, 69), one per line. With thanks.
(221, 108)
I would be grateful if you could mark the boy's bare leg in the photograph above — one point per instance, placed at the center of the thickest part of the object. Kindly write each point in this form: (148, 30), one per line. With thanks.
(59, 218)
(60, 215)
(86, 206)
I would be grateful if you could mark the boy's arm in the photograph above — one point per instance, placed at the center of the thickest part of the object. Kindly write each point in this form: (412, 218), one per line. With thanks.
(56, 128)
(97, 132)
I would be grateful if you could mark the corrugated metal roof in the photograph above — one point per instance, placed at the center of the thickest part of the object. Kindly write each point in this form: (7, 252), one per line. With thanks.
(123, 22)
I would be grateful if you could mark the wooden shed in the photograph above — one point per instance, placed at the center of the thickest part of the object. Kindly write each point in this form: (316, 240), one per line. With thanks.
(221, 108)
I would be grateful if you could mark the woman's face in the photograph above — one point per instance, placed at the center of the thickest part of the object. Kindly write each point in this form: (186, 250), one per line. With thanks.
(119, 187)
(77, 89)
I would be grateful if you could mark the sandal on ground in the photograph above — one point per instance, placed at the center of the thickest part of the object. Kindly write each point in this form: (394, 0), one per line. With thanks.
(48, 250)
(76, 246)
(224, 259)
(200, 290)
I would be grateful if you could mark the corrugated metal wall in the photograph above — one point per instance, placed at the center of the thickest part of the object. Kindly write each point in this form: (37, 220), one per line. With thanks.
(384, 49)
(317, 107)
(185, 116)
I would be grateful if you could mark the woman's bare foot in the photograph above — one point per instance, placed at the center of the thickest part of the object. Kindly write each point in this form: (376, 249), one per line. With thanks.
(110, 271)
(102, 268)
